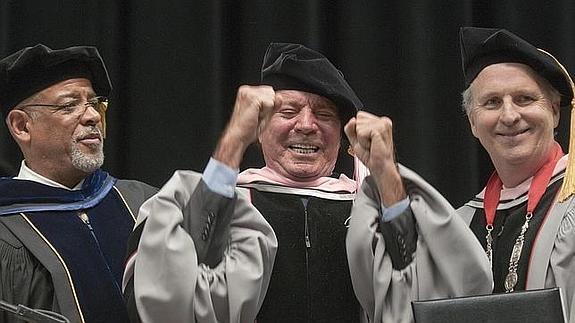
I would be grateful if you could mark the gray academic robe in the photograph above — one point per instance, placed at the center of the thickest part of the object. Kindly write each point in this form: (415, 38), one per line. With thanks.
(446, 260)
(201, 257)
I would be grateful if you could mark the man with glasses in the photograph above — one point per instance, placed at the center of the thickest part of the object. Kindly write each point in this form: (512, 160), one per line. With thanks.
(64, 222)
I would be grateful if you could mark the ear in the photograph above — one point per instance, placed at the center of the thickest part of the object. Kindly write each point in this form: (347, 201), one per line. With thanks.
(18, 123)
(556, 113)
(471, 119)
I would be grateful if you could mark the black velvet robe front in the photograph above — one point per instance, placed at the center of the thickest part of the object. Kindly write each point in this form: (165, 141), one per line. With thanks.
(310, 281)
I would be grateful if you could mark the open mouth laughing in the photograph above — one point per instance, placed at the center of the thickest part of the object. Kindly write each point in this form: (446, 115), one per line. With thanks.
(304, 149)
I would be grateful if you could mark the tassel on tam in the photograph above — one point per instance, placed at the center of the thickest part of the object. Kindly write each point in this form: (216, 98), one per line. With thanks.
(568, 187)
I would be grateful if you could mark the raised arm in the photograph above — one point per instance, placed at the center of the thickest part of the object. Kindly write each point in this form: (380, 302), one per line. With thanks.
(205, 253)
(405, 241)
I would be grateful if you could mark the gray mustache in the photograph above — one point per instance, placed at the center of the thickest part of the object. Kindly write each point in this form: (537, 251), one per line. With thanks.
(93, 130)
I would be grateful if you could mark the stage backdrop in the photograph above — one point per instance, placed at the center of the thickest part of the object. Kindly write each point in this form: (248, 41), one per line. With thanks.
(176, 65)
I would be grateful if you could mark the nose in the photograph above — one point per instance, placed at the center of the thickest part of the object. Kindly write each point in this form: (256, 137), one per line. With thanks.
(306, 121)
(91, 116)
(509, 114)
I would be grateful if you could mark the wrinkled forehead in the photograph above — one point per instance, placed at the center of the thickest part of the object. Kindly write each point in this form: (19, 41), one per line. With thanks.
(300, 99)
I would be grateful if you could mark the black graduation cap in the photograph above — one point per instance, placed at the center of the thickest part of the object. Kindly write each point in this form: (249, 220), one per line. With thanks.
(295, 67)
(481, 47)
(33, 69)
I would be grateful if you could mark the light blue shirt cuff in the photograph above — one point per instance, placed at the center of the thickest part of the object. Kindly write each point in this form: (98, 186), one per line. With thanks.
(220, 178)
(392, 212)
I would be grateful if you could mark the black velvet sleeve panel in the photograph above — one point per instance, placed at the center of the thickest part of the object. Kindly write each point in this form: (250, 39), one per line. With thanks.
(400, 237)
(207, 219)
(400, 234)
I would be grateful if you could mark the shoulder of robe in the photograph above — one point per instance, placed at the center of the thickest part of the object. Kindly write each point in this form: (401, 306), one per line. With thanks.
(7, 237)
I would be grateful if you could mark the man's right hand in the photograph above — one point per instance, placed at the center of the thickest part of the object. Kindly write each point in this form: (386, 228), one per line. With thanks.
(253, 107)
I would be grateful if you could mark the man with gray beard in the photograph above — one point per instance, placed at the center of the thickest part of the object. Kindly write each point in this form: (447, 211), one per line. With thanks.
(85, 162)
(64, 222)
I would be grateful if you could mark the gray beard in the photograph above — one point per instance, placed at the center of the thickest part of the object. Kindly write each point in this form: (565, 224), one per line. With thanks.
(87, 163)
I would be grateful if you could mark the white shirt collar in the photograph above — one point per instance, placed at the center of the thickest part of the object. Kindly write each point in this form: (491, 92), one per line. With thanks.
(30, 175)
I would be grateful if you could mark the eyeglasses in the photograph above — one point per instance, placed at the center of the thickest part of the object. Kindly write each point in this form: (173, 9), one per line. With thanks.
(99, 103)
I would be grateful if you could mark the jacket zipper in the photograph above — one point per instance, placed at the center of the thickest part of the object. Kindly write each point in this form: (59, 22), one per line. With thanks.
(307, 240)
(307, 267)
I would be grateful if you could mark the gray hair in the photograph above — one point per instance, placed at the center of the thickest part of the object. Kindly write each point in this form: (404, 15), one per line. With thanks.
(467, 100)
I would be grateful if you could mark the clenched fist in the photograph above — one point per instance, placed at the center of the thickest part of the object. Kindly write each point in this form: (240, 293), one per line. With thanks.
(371, 138)
(252, 109)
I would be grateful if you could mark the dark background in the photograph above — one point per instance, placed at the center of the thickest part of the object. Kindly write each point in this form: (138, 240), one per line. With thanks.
(176, 65)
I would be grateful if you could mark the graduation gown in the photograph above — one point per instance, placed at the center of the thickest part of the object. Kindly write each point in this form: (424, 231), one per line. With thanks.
(197, 256)
(310, 281)
(449, 259)
(51, 259)
(548, 258)
(428, 252)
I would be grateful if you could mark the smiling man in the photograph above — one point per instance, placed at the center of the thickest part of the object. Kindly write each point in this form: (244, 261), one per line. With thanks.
(218, 269)
(515, 235)
(513, 114)
(302, 138)
(64, 222)
(297, 191)
(513, 101)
